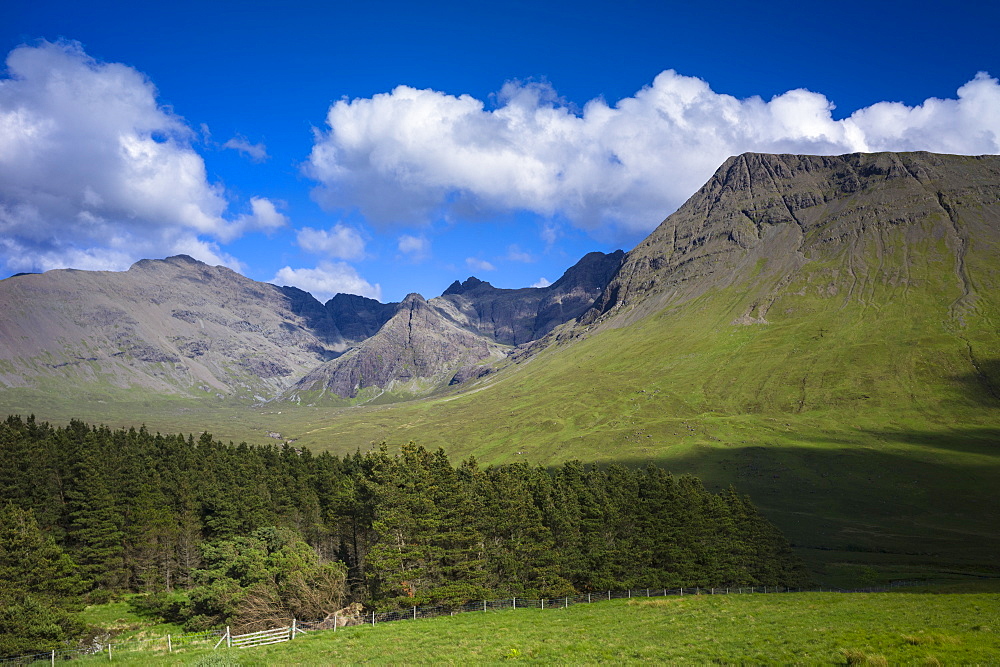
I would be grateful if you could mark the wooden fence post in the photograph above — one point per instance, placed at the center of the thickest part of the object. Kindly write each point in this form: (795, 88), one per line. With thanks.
(170, 645)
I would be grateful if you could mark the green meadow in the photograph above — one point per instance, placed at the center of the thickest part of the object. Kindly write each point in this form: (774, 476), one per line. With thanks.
(802, 628)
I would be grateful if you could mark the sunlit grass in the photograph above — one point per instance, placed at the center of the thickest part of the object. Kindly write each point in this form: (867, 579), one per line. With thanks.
(799, 628)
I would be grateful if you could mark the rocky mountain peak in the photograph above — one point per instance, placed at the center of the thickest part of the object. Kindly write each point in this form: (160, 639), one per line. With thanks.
(593, 271)
(173, 260)
(413, 299)
(470, 284)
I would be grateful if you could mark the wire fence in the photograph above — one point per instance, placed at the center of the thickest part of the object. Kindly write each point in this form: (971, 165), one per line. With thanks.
(433, 611)
(174, 643)
(168, 643)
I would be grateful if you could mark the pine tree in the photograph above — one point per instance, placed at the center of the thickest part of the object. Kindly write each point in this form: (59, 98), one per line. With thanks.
(39, 587)
(404, 563)
(32, 561)
(95, 522)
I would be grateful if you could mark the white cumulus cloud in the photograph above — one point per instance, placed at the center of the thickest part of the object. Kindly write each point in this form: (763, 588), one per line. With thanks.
(408, 155)
(328, 279)
(479, 264)
(542, 282)
(95, 173)
(263, 217)
(340, 241)
(417, 247)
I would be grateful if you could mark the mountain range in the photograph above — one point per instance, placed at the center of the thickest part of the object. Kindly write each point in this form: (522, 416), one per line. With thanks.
(820, 331)
(179, 326)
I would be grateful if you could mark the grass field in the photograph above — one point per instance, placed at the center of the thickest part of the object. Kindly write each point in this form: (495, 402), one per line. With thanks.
(801, 628)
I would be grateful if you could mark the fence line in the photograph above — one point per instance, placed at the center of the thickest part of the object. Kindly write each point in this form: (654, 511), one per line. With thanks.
(171, 643)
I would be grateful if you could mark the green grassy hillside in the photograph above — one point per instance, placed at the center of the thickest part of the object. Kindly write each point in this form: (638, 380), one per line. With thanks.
(858, 427)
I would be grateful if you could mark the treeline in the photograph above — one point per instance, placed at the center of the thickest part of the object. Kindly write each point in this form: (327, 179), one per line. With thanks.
(251, 534)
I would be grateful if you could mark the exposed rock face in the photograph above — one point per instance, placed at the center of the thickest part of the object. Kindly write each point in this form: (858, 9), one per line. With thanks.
(762, 218)
(457, 336)
(173, 325)
(417, 343)
(513, 317)
(345, 320)
(180, 326)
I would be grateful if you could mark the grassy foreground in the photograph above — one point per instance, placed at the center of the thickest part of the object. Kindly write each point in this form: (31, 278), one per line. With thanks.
(809, 628)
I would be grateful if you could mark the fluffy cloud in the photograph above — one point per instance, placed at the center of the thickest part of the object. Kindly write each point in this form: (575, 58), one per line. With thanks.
(417, 247)
(94, 173)
(479, 264)
(256, 152)
(542, 282)
(409, 155)
(263, 217)
(341, 241)
(328, 279)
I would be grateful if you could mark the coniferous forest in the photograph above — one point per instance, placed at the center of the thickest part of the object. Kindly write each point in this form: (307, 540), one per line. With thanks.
(250, 536)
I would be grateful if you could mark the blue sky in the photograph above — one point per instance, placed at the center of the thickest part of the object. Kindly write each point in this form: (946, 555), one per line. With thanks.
(383, 148)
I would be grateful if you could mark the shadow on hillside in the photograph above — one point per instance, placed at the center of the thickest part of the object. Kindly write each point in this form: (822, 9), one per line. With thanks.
(983, 383)
(983, 441)
(872, 504)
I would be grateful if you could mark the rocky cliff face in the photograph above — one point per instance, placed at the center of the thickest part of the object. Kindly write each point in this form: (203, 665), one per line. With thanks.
(457, 336)
(762, 219)
(180, 326)
(416, 350)
(513, 317)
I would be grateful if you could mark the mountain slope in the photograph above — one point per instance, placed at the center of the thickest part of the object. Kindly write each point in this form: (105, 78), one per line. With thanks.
(173, 326)
(787, 214)
(514, 317)
(416, 349)
(820, 331)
